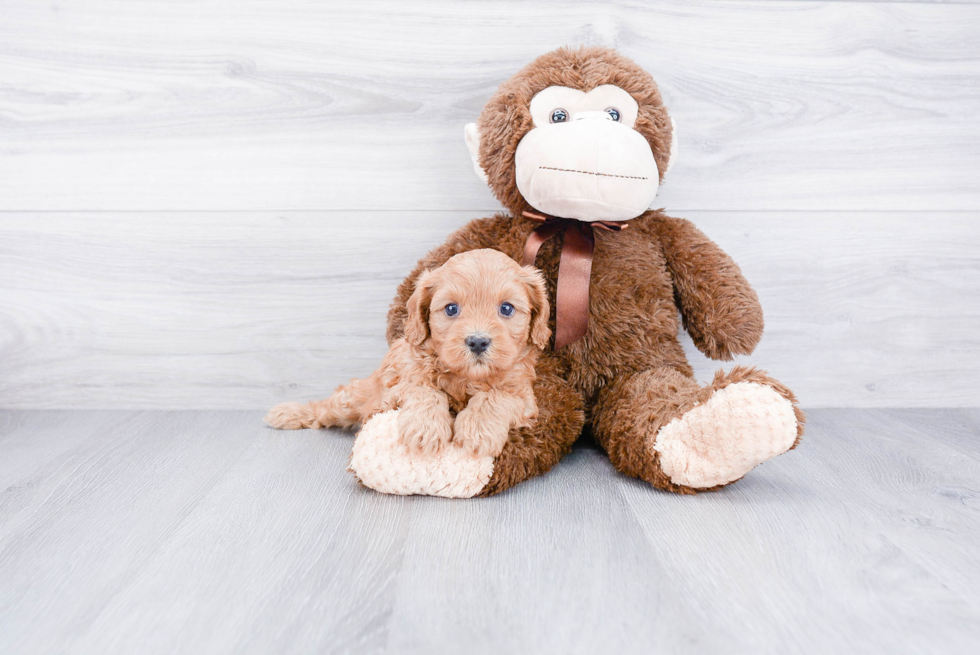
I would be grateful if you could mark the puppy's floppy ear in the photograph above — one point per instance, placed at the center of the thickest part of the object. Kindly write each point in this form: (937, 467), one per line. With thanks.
(537, 293)
(417, 322)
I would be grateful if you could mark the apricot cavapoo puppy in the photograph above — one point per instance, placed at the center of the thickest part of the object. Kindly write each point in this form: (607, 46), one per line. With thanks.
(474, 329)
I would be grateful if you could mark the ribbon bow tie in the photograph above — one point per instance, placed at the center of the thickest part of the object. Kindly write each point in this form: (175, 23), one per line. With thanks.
(574, 269)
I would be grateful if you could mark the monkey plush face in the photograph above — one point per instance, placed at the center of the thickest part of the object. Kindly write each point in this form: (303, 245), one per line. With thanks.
(578, 134)
(584, 159)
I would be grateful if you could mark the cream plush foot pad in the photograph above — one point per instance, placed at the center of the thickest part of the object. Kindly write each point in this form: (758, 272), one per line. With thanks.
(740, 426)
(380, 461)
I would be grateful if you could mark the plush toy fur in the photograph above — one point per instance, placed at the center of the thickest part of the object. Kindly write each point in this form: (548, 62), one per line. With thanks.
(628, 380)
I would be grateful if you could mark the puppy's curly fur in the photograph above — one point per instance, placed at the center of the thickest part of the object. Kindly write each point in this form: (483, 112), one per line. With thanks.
(445, 389)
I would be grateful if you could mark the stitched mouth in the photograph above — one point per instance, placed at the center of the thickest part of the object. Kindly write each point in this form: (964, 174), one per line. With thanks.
(570, 170)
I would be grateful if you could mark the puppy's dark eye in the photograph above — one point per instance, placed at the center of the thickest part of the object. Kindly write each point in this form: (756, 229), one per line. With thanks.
(452, 309)
(612, 111)
(506, 309)
(559, 116)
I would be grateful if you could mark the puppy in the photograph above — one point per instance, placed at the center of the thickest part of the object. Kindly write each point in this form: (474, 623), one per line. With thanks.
(463, 371)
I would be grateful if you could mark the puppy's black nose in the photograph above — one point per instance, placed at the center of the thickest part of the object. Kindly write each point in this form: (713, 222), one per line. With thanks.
(477, 343)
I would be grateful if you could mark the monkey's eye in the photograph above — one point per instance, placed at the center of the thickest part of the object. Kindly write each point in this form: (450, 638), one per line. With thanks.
(507, 309)
(612, 111)
(559, 116)
(452, 309)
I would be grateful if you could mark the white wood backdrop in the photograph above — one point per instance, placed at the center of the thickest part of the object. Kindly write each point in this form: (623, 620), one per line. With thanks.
(209, 204)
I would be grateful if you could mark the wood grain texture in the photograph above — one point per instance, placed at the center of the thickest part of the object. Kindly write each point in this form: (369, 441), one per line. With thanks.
(307, 105)
(163, 532)
(242, 310)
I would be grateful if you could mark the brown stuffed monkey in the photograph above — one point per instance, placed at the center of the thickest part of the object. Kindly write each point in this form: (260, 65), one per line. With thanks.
(575, 146)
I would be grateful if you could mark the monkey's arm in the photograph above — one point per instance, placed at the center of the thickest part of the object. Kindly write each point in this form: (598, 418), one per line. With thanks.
(720, 310)
(471, 236)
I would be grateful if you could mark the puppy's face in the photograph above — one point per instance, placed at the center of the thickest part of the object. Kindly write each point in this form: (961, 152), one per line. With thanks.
(480, 312)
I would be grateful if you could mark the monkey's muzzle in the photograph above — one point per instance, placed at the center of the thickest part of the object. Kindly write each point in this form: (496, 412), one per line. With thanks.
(589, 169)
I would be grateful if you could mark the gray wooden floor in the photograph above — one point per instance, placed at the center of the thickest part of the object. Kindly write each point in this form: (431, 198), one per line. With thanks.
(164, 532)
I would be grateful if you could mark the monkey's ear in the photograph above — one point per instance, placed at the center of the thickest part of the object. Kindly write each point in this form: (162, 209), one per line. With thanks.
(472, 136)
(673, 145)
(537, 293)
(417, 322)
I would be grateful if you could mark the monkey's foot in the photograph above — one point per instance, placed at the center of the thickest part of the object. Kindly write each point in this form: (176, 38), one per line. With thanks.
(723, 438)
(382, 462)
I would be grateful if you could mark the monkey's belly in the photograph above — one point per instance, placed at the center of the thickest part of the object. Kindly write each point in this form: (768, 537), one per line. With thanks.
(632, 341)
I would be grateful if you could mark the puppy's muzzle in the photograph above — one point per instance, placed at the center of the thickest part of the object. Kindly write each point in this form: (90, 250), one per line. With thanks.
(478, 343)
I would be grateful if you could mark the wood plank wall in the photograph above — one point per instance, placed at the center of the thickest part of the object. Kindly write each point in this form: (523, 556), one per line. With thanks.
(209, 204)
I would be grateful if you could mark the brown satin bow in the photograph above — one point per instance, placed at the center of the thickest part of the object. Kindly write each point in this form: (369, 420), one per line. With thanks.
(574, 269)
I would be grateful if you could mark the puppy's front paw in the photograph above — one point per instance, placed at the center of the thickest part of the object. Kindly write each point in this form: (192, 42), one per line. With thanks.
(478, 435)
(291, 416)
(425, 432)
